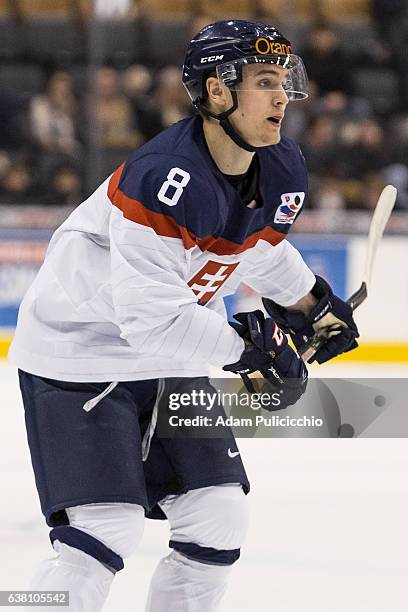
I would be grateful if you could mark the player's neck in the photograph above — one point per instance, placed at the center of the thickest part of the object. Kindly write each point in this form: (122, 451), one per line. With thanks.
(228, 156)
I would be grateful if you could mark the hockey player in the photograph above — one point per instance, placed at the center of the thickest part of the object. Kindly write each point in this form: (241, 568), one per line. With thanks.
(129, 304)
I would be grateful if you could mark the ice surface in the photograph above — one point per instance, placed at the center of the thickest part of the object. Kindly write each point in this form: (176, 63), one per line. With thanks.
(328, 530)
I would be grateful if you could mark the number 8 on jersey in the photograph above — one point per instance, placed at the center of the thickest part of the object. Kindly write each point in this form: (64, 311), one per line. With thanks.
(174, 186)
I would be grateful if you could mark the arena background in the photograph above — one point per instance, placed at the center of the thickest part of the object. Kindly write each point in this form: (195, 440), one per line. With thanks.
(82, 84)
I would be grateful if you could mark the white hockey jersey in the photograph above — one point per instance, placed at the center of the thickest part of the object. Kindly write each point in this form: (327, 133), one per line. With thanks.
(133, 282)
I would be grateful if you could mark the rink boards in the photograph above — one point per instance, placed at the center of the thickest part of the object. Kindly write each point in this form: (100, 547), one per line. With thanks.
(382, 319)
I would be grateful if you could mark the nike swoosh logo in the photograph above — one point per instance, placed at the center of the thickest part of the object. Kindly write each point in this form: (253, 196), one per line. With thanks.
(231, 454)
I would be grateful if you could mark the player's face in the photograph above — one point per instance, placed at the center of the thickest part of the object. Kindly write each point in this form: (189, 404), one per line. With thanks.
(262, 104)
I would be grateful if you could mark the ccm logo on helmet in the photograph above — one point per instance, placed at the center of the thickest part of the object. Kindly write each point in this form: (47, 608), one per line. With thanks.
(212, 58)
(265, 46)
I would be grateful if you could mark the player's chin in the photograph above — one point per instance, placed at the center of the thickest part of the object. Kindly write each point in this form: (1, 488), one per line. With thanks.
(270, 139)
(275, 140)
(272, 134)
(266, 141)
(265, 136)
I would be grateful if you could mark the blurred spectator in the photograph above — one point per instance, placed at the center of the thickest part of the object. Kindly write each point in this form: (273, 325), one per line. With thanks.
(335, 103)
(53, 116)
(342, 107)
(388, 14)
(319, 145)
(11, 120)
(328, 195)
(298, 116)
(399, 137)
(172, 99)
(326, 62)
(391, 18)
(137, 82)
(64, 188)
(17, 185)
(371, 188)
(397, 175)
(397, 172)
(5, 164)
(364, 149)
(114, 113)
(137, 85)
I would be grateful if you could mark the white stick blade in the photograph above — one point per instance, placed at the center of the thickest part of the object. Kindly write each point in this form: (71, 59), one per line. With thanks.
(380, 218)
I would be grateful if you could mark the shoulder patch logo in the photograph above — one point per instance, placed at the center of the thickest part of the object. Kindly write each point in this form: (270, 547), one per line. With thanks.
(291, 205)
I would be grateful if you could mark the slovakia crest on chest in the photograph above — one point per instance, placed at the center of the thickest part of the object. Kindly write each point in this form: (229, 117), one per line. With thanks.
(291, 205)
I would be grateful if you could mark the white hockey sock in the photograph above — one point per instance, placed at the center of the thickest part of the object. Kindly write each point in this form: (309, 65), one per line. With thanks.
(180, 584)
(86, 579)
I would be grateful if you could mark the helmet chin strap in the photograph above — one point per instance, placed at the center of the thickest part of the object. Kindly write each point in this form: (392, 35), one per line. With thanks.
(233, 134)
(226, 125)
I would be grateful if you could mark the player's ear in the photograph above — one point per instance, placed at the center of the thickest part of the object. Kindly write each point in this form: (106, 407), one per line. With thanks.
(218, 94)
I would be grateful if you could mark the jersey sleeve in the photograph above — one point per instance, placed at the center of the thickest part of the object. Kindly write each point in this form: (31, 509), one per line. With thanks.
(281, 275)
(152, 229)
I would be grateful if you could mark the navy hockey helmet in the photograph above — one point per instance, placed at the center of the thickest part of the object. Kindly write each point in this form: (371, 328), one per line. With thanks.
(224, 48)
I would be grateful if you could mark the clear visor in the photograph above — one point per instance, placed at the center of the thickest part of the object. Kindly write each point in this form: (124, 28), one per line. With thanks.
(272, 72)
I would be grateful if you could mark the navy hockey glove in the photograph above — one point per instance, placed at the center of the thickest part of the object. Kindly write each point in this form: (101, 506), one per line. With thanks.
(267, 351)
(331, 317)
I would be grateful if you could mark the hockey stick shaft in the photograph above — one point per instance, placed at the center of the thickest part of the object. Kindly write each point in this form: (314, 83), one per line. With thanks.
(379, 220)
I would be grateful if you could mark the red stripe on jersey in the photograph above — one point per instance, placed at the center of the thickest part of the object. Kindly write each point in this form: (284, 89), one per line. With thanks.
(114, 181)
(222, 246)
(165, 225)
